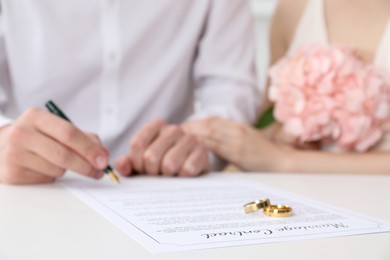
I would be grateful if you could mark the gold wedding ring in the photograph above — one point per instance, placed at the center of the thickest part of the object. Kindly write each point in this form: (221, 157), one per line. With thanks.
(278, 211)
(256, 205)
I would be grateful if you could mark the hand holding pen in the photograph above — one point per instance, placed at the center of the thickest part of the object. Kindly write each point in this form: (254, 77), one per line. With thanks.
(57, 111)
(38, 147)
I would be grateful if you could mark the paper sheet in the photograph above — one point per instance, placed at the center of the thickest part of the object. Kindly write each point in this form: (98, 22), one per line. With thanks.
(173, 214)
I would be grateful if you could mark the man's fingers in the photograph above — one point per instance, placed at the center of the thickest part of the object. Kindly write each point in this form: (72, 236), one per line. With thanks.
(20, 176)
(70, 136)
(176, 156)
(196, 163)
(35, 163)
(94, 137)
(123, 165)
(155, 152)
(142, 140)
(60, 155)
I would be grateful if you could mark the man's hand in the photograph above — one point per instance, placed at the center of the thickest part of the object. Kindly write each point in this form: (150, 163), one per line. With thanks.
(276, 134)
(39, 146)
(160, 148)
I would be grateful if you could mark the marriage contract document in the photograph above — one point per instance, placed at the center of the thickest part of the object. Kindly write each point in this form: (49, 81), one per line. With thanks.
(176, 214)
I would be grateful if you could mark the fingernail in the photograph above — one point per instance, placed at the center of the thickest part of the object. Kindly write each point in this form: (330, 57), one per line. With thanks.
(192, 171)
(101, 162)
(99, 174)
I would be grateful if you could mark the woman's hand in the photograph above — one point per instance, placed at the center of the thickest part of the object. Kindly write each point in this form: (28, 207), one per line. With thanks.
(276, 134)
(238, 143)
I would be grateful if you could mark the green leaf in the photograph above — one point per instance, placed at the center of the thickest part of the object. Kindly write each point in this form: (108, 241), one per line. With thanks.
(266, 119)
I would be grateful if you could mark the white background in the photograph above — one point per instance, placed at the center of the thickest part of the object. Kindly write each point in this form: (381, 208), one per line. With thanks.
(262, 10)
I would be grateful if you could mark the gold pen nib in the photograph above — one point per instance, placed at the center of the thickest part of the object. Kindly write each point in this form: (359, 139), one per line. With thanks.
(112, 174)
(114, 177)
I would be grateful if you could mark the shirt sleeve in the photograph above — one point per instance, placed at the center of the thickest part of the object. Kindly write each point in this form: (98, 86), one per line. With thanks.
(4, 120)
(224, 70)
(4, 77)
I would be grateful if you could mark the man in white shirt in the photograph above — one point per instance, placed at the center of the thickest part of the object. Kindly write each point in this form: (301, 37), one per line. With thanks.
(127, 70)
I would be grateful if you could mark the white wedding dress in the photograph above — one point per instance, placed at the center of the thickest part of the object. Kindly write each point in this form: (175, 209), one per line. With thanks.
(312, 30)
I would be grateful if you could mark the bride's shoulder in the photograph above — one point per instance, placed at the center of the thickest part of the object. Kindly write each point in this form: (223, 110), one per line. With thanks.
(288, 13)
(284, 23)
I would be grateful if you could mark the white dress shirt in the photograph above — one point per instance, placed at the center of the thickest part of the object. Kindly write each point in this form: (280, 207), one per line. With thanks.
(113, 65)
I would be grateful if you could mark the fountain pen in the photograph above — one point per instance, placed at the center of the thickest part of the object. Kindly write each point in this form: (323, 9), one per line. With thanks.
(53, 108)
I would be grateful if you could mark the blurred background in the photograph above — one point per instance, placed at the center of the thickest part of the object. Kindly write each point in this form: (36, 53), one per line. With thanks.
(262, 11)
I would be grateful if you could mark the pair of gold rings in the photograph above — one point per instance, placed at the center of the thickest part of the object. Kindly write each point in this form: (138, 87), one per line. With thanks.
(256, 205)
(277, 211)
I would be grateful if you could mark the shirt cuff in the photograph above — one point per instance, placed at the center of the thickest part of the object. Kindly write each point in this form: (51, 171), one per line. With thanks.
(5, 121)
(227, 99)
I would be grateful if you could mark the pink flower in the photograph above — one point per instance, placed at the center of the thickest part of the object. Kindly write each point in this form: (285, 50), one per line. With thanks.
(326, 92)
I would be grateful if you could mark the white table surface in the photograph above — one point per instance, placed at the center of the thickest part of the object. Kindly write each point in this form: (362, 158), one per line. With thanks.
(48, 222)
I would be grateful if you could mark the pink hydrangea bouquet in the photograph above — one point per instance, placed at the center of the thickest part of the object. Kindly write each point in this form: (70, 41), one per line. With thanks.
(327, 93)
